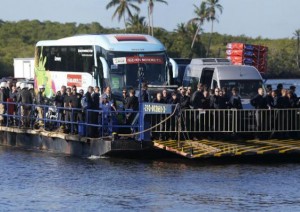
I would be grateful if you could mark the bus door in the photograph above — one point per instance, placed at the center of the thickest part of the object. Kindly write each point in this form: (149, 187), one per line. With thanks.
(206, 77)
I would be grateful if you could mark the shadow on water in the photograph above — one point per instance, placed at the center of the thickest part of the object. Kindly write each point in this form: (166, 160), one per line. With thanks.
(161, 156)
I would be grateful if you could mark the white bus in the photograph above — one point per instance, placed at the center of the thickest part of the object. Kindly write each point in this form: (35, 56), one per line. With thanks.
(101, 60)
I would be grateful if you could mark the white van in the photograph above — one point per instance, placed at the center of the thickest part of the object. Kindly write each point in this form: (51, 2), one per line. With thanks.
(214, 72)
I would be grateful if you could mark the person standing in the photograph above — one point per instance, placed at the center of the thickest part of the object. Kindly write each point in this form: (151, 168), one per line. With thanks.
(259, 102)
(132, 106)
(184, 99)
(235, 100)
(3, 100)
(67, 110)
(174, 98)
(26, 100)
(145, 95)
(75, 104)
(165, 96)
(158, 98)
(197, 97)
(88, 113)
(41, 100)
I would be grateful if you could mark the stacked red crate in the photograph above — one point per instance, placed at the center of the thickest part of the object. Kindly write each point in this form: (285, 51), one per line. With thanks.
(247, 54)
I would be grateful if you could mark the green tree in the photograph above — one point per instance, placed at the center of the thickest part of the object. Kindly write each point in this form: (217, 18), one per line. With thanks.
(297, 36)
(150, 13)
(123, 7)
(211, 10)
(136, 24)
(201, 13)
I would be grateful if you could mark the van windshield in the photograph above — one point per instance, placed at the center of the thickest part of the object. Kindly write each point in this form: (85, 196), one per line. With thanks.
(247, 88)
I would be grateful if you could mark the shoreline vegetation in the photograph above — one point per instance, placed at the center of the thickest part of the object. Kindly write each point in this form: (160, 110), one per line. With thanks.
(18, 39)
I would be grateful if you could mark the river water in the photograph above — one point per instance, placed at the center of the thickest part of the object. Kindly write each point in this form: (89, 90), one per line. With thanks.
(35, 181)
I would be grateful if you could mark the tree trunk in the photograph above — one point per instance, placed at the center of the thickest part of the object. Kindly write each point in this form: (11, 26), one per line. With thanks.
(125, 22)
(210, 37)
(152, 23)
(195, 36)
(149, 20)
(298, 46)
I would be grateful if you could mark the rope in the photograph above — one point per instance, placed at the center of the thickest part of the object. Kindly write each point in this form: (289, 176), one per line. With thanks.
(163, 121)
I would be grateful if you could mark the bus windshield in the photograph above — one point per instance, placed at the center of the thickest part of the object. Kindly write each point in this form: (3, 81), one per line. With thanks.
(247, 88)
(125, 66)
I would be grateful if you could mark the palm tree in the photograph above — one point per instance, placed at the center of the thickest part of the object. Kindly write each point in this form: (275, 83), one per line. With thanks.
(297, 36)
(150, 13)
(201, 13)
(136, 23)
(212, 6)
(123, 6)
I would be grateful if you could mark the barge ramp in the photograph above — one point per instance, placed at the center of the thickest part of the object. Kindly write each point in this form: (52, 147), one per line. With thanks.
(212, 149)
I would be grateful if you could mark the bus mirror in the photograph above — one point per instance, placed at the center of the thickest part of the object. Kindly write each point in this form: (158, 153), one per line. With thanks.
(174, 67)
(105, 67)
(95, 72)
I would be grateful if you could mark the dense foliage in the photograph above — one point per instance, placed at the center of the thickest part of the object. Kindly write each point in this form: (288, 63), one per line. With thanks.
(17, 39)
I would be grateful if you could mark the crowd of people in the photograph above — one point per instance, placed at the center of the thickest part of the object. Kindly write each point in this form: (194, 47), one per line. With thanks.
(72, 104)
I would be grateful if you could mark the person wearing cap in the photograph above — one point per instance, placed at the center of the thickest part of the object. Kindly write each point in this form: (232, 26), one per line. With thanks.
(3, 99)
(41, 101)
(25, 99)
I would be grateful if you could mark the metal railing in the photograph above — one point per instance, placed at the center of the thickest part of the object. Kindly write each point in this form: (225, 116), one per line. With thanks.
(230, 121)
(91, 123)
(103, 122)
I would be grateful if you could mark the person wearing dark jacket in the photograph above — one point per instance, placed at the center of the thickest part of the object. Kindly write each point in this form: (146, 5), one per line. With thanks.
(269, 99)
(205, 102)
(197, 97)
(259, 102)
(159, 99)
(25, 99)
(283, 101)
(184, 99)
(174, 99)
(89, 114)
(165, 96)
(145, 95)
(220, 104)
(3, 99)
(221, 101)
(235, 100)
(132, 106)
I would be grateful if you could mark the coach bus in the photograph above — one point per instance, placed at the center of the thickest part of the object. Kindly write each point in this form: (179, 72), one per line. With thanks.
(115, 60)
